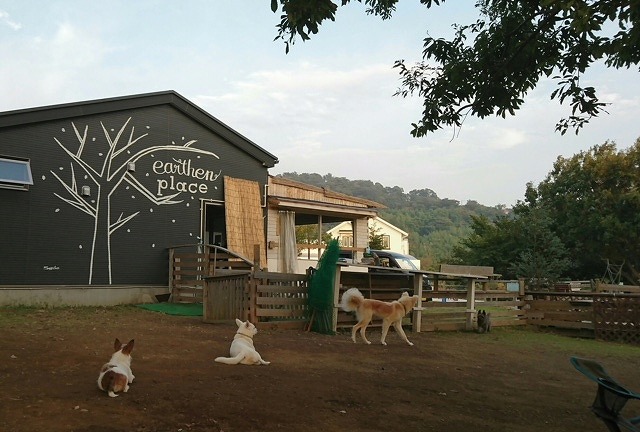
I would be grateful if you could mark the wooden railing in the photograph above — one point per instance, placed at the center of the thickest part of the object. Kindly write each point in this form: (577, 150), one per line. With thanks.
(269, 300)
(450, 310)
(277, 300)
(190, 264)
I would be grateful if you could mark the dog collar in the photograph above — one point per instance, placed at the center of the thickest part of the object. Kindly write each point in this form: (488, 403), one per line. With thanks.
(244, 335)
(403, 307)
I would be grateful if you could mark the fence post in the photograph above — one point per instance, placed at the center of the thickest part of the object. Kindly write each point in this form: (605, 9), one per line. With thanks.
(471, 303)
(336, 299)
(417, 311)
(253, 294)
(256, 257)
(171, 251)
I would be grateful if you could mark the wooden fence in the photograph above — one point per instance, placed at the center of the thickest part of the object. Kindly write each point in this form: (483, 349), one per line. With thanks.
(277, 300)
(571, 311)
(190, 264)
(451, 310)
(226, 296)
(385, 286)
(269, 300)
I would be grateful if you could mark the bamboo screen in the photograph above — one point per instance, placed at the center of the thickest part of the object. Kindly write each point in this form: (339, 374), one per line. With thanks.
(244, 218)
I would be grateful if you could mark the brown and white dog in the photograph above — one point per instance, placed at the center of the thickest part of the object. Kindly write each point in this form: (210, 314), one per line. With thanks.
(116, 375)
(390, 312)
(242, 350)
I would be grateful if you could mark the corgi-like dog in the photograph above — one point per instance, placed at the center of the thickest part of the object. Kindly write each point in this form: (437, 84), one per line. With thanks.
(116, 375)
(390, 312)
(242, 350)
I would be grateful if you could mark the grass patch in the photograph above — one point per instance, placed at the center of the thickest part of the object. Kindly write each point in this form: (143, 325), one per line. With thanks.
(30, 315)
(532, 339)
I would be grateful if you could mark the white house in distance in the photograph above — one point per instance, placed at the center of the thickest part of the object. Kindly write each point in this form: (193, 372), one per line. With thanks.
(393, 238)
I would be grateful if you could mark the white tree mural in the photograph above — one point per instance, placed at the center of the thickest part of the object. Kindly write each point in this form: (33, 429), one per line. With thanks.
(108, 177)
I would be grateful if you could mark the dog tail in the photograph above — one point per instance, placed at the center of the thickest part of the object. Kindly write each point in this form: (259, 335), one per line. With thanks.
(111, 383)
(230, 360)
(351, 299)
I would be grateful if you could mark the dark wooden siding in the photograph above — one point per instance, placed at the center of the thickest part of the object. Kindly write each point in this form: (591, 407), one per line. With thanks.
(48, 241)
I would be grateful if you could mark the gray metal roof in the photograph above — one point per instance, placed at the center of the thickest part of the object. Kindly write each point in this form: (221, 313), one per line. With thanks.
(170, 97)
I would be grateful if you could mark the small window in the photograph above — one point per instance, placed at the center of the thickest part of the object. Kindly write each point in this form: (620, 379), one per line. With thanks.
(15, 173)
(386, 241)
(345, 240)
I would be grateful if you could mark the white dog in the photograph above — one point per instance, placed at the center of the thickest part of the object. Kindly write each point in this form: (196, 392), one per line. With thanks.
(116, 375)
(242, 350)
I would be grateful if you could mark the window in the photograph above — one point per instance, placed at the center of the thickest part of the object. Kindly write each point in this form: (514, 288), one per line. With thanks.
(15, 173)
(345, 240)
(386, 241)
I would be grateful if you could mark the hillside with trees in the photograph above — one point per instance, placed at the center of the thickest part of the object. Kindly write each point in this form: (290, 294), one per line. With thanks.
(435, 225)
(582, 222)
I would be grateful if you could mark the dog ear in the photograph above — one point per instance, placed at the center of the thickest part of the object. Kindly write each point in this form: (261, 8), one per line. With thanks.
(128, 347)
(238, 322)
(117, 345)
(405, 294)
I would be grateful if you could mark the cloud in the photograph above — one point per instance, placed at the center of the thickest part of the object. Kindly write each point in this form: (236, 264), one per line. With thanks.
(295, 104)
(55, 67)
(6, 19)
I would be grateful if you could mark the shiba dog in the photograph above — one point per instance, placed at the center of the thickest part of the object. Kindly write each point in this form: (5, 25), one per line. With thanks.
(242, 350)
(484, 322)
(390, 312)
(116, 375)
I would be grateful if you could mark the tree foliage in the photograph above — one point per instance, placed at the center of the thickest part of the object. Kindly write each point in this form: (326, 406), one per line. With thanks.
(376, 240)
(435, 225)
(582, 216)
(541, 256)
(488, 67)
(594, 202)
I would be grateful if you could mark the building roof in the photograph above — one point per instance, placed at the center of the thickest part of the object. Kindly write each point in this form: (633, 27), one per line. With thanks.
(294, 189)
(334, 206)
(170, 97)
(391, 226)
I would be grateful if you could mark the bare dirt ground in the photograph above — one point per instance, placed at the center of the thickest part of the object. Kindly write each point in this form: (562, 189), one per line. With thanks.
(507, 380)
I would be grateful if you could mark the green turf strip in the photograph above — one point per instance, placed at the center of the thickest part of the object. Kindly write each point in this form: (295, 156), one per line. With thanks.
(182, 309)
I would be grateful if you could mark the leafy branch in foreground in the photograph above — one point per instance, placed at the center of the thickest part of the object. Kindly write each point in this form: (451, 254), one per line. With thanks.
(488, 67)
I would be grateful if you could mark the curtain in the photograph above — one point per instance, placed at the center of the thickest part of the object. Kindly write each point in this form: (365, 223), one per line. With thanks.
(288, 243)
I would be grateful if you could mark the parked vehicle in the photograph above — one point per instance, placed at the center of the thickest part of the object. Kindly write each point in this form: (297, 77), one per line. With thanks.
(387, 258)
(395, 259)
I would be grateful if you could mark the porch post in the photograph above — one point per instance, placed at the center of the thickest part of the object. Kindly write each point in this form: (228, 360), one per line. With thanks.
(471, 303)
(336, 299)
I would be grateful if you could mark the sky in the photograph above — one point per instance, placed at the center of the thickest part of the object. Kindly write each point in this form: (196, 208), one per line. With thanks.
(326, 107)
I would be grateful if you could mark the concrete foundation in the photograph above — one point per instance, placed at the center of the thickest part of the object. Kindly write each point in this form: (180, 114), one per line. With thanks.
(86, 295)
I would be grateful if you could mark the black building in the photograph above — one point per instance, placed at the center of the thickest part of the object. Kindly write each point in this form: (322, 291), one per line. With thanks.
(93, 193)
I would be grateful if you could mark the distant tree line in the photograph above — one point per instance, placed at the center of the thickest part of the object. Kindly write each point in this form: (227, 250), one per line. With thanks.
(435, 226)
(582, 220)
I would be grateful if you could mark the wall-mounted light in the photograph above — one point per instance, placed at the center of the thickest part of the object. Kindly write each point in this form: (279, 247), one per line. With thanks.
(131, 166)
(85, 191)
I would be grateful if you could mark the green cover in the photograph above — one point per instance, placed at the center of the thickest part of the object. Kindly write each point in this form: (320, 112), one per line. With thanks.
(321, 286)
